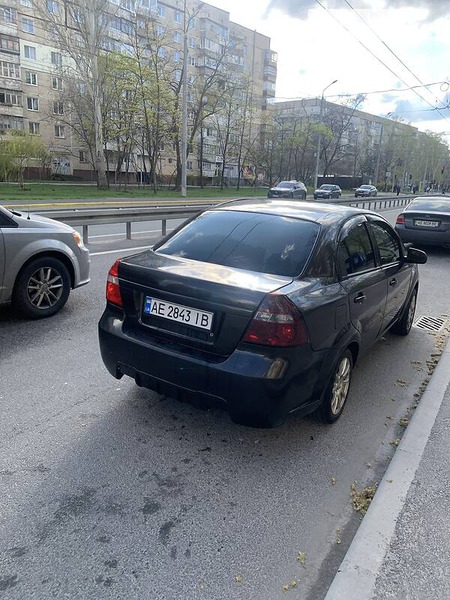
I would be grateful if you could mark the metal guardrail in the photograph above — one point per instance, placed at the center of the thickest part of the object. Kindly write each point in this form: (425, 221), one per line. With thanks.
(108, 216)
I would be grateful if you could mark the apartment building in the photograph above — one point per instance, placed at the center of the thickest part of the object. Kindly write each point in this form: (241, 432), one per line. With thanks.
(32, 65)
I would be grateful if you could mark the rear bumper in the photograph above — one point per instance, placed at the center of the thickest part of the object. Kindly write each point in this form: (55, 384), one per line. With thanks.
(426, 237)
(257, 387)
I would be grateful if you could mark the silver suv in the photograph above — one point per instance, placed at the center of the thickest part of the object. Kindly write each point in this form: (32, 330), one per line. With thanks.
(40, 261)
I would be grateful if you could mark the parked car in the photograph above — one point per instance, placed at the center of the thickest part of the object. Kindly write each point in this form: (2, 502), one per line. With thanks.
(327, 191)
(288, 189)
(41, 260)
(366, 190)
(426, 220)
(260, 307)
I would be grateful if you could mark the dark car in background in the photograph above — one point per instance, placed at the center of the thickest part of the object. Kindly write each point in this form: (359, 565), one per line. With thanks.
(366, 190)
(288, 189)
(426, 220)
(327, 191)
(261, 307)
(41, 260)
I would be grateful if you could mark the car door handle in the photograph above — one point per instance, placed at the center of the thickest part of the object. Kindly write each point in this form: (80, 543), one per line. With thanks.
(359, 299)
(393, 281)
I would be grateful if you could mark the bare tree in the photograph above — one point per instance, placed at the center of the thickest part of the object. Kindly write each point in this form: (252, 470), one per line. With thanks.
(79, 29)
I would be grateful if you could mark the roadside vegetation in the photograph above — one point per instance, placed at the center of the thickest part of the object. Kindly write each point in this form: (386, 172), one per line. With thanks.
(63, 191)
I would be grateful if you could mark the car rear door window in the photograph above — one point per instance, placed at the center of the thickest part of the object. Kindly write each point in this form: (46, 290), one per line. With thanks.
(258, 242)
(387, 243)
(355, 250)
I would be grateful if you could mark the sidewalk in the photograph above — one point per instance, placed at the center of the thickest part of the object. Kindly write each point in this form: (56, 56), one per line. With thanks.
(401, 550)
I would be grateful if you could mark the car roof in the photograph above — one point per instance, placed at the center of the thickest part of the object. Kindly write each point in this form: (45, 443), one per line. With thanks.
(310, 211)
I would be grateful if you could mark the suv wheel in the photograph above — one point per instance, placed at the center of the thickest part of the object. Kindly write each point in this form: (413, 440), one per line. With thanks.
(42, 288)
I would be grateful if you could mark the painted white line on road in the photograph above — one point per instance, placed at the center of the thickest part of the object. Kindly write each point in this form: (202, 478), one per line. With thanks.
(91, 237)
(119, 250)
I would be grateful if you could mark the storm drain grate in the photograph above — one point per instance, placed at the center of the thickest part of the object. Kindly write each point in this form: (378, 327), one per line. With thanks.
(430, 323)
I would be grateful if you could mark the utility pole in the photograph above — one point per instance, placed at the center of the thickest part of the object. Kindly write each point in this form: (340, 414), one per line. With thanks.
(184, 114)
(319, 139)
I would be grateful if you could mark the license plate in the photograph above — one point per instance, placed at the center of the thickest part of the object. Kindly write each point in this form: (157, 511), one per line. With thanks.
(420, 223)
(179, 313)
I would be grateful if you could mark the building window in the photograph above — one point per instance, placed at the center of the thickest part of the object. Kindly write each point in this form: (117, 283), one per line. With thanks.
(31, 78)
(58, 108)
(59, 131)
(161, 52)
(7, 15)
(82, 156)
(128, 5)
(53, 7)
(56, 58)
(56, 83)
(27, 25)
(177, 37)
(176, 56)
(161, 10)
(10, 123)
(32, 103)
(189, 165)
(26, 3)
(33, 128)
(192, 61)
(160, 30)
(177, 16)
(8, 42)
(10, 98)
(192, 42)
(10, 70)
(30, 52)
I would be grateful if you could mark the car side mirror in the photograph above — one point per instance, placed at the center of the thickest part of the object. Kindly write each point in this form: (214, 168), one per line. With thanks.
(416, 256)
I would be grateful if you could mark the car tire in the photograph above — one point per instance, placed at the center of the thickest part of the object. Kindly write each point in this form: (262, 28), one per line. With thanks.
(42, 288)
(404, 324)
(315, 197)
(336, 393)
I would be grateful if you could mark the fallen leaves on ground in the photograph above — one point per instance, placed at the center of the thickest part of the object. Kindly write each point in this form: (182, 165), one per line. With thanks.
(361, 498)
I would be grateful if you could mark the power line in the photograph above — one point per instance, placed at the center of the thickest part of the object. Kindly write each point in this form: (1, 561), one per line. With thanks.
(375, 56)
(407, 89)
(389, 49)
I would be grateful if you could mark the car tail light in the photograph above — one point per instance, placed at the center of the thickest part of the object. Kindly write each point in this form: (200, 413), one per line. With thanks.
(400, 220)
(112, 285)
(277, 322)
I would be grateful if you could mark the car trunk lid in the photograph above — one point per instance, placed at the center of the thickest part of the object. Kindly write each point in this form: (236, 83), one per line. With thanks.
(193, 303)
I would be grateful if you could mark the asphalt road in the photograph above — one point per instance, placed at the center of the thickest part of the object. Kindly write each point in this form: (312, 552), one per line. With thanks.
(110, 491)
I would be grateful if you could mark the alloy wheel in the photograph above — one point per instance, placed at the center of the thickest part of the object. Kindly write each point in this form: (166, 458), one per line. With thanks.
(45, 287)
(341, 385)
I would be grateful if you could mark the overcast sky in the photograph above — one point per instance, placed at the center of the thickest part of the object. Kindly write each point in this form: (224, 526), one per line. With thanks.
(318, 41)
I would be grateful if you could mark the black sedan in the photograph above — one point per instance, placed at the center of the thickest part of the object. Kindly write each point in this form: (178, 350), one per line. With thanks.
(327, 191)
(261, 307)
(288, 189)
(366, 191)
(426, 221)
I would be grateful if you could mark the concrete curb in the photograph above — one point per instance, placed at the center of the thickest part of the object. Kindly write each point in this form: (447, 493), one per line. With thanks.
(357, 574)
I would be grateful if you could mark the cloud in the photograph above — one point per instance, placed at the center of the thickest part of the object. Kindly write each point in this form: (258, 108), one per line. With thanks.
(299, 8)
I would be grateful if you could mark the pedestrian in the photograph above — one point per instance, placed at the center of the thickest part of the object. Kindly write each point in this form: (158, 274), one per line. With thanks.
(397, 189)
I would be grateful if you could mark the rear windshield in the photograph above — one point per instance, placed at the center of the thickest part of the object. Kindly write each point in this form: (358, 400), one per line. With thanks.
(244, 240)
(286, 184)
(430, 205)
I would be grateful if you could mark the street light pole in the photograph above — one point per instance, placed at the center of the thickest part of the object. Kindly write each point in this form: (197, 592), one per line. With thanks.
(319, 139)
(184, 108)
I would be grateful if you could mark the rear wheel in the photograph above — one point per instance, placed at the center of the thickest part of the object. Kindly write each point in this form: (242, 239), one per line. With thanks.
(42, 288)
(337, 390)
(404, 324)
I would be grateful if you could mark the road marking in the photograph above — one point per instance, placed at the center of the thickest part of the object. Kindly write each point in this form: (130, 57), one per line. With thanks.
(119, 250)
